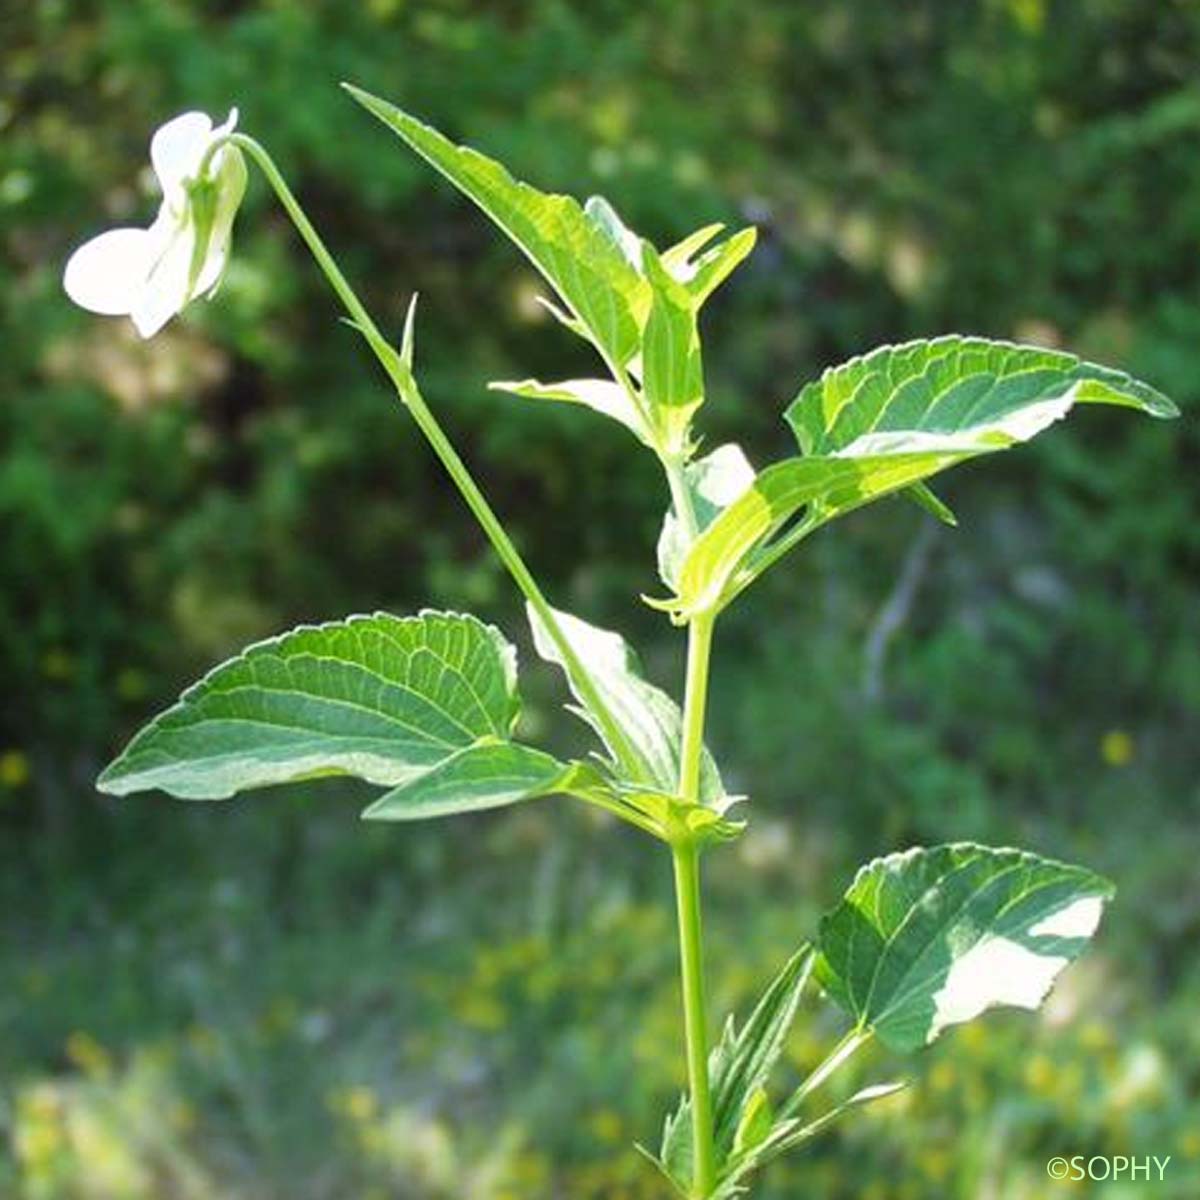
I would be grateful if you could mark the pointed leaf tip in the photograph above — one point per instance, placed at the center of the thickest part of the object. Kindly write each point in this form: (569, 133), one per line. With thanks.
(406, 342)
(582, 257)
(378, 697)
(954, 389)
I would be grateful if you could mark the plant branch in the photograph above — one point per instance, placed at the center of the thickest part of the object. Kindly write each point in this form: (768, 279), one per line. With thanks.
(402, 378)
(625, 812)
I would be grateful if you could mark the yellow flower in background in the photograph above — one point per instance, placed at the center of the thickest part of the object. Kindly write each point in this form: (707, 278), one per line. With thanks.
(360, 1103)
(37, 1136)
(606, 1125)
(58, 664)
(1040, 1074)
(1117, 748)
(1030, 15)
(1096, 1036)
(88, 1054)
(936, 1164)
(14, 769)
(943, 1077)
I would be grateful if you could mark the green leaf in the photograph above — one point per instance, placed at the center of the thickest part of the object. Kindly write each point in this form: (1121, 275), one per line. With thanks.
(672, 374)
(480, 777)
(637, 308)
(713, 483)
(720, 563)
(676, 1157)
(406, 340)
(713, 267)
(678, 1187)
(930, 938)
(702, 273)
(649, 717)
(600, 395)
(576, 250)
(886, 422)
(379, 697)
(954, 390)
(678, 259)
(608, 220)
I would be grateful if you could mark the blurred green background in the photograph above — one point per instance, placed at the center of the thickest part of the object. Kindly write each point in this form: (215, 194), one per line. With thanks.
(266, 998)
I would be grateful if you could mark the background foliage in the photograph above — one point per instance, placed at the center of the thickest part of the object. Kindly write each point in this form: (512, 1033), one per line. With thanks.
(267, 999)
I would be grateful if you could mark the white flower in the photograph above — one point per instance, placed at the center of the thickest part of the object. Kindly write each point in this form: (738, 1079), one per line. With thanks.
(152, 274)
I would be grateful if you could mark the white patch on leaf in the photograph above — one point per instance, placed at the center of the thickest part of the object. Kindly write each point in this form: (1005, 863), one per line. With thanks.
(1018, 426)
(1078, 920)
(996, 971)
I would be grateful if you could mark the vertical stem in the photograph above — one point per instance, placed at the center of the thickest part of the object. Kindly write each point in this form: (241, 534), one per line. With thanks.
(403, 380)
(686, 859)
(672, 464)
(700, 635)
(681, 500)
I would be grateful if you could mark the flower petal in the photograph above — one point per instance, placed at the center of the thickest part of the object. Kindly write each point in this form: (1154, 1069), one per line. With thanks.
(214, 267)
(177, 147)
(165, 288)
(106, 275)
(229, 126)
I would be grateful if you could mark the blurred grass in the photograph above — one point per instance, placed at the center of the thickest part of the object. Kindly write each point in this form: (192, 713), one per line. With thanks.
(267, 998)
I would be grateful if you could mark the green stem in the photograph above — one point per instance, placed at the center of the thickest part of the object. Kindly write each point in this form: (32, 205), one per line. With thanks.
(405, 384)
(700, 636)
(686, 858)
(848, 1045)
(621, 377)
(681, 498)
